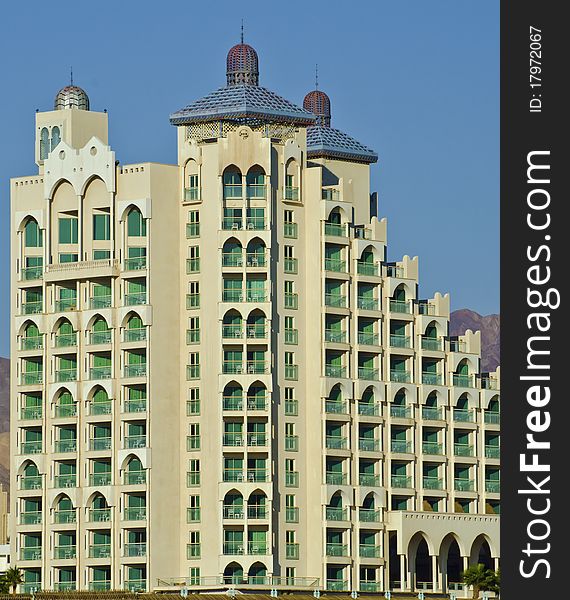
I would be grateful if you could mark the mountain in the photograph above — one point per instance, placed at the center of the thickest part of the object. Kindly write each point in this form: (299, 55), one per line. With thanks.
(5, 423)
(488, 325)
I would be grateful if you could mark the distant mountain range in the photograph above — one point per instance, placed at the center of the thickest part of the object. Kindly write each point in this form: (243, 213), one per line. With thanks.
(461, 320)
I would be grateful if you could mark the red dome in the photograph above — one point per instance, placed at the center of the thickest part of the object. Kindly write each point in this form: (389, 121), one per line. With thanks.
(319, 104)
(242, 65)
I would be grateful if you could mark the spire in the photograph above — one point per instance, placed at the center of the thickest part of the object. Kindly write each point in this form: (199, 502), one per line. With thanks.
(71, 77)
(242, 31)
(316, 76)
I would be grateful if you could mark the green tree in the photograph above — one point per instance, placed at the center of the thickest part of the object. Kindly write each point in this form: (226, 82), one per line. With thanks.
(481, 579)
(13, 578)
(4, 586)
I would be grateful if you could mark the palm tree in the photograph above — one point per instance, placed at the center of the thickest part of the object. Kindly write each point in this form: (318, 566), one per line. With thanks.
(13, 578)
(481, 579)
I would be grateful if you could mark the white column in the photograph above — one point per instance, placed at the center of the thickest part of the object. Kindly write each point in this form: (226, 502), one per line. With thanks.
(402, 572)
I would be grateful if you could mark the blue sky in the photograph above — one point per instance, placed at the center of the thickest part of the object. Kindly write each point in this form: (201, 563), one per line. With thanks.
(417, 81)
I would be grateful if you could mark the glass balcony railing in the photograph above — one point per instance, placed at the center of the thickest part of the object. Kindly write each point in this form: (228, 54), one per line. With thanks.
(255, 223)
(432, 379)
(65, 586)
(433, 344)
(34, 447)
(98, 302)
(291, 192)
(97, 479)
(99, 444)
(135, 513)
(138, 370)
(400, 376)
(369, 586)
(401, 446)
(401, 306)
(31, 273)
(135, 406)
(291, 300)
(30, 482)
(233, 548)
(394, 271)
(192, 193)
(492, 452)
(369, 269)
(330, 194)
(256, 331)
(335, 300)
(492, 486)
(335, 549)
(292, 443)
(337, 585)
(99, 586)
(292, 478)
(102, 407)
(333, 442)
(292, 514)
(336, 230)
(135, 585)
(97, 338)
(256, 259)
(233, 511)
(135, 477)
(31, 378)
(368, 338)
(290, 265)
(99, 515)
(66, 375)
(466, 381)
(464, 415)
(31, 413)
(426, 308)
(369, 550)
(65, 304)
(105, 372)
(369, 479)
(134, 549)
(369, 409)
(135, 441)
(32, 308)
(63, 552)
(432, 483)
(256, 439)
(31, 553)
(464, 485)
(369, 515)
(334, 513)
(336, 407)
(463, 450)
(192, 230)
(401, 481)
(135, 299)
(333, 478)
(257, 511)
(65, 516)
(137, 334)
(335, 264)
(100, 551)
(369, 445)
(292, 551)
(290, 230)
(399, 341)
(400, 411)
(489, 383)
(233, 439)
(193, 301)
(432, 413)
(335, 336)
(31, 517)
(365, 303)
(335, 371)
(65, 446)
(369, 373)
(492, 418)
(291, 372)
(434, 448)
(291, 336)
(65, 481)
(232, 259)
(35, 342)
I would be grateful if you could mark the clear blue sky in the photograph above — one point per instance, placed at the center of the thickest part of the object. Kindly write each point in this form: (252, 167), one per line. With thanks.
(417, 81)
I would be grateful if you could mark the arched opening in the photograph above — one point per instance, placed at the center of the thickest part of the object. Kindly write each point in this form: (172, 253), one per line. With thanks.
(334, 403)
(335, 510)
(136, 224)
(395, 571)
(367, 404)
(65, 406)
(256, 325)
(135, 331)
(100, 332)
(399, 407)
(30, 478)
(255, 253)
(454, 564)
(232, 181)
(55, 137)
(232, 253)
(493, 412)
(100, 402)
(257, 396)
(255, 182)
(366, 263)
(134, 472)
(33, 235)
(65, 336)
(423, 566)
(99, 511)
(233, 397)
(334, 225)
(257, 574)
(191, 181)
(481, 553)
(233, 505)
(232, 326)
(257, 506)
(31, 339)
(233, 573)
(44, 143)
(64, 510)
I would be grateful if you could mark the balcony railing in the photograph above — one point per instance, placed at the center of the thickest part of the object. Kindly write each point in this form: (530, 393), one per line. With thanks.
(335, 300)
(291, 408)
(290, 265)
(138, 370)
(255, 223)
(66, 375)
(136, 299)
(135, 406)
(65, 586)
(290, 230)
(292, 478)
(101, 443)
(426, 308)
(399, 341)
(401, 446)
(135, 549)
(292, 551)
(400, 376)
(336, 407)
(135, 585)
(369, 409)
(337, 585)
(369, 479)
(336, 229)
(63, 552)
(105, 372)
(400, 306)
(400, 412)
(492, 418)
(65, 446)
(335, 371)
(365, 268)
(334, 513)
(233, 548)
(401, 481)
(135, 477)
(292, 514)
(31, 273)
(434, 448)
(34, 447)
(492, 486)
(432, 413)
(369, 373)
(65, 304)
(369, 586)
(430, 343)
(102, 407)
(256, 439)
(333, 442)
(35, 342)
(432, 483)
(101, 301)
(99, 515)
(100, 551)
(100, 586)
(65, 516)
(291, 300)
(332, 478)
(292, 372)
(256, 259)
(137, 334)
(432, 379)
(31, 553)
(335, 264)
(291, 336)
(30, 482)
(330, 194)
(65, 481)
(134, 513)
(464, 415)
(32, 308)
(464, 485)
(31, 517)
(100, 337)
(369, 445)
(466, 381)
(97, 479)
(257, 511)
(335, 336)
(368, 338)
(291, 192)
(335, 549)
(369, 550)
(135, 441)
(369, 515)
(292, 443)
(365, 303)
(489, 383)
(492, 452)
(31, 413)
(192, 230)
(193, 193)
(463, 450)
(233, 439)
(232, 259)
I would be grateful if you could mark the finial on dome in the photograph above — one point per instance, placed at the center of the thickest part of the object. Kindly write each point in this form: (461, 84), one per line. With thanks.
(242, 64)
(316, 76)
(318, 103)
(71, 76)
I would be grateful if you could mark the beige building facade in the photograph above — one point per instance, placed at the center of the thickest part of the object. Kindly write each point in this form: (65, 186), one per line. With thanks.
(219, 379)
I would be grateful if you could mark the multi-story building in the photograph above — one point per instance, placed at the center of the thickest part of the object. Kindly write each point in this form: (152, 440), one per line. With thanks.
(219, 379)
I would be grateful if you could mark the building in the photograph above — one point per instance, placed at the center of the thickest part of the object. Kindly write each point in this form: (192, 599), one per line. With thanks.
(218, 379)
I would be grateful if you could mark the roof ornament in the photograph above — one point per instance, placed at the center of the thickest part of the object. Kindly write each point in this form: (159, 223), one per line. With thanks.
(317, 76)
(242, 31)
(71, 77)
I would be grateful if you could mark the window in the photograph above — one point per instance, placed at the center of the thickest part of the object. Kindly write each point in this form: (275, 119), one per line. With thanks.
(193, 550)
(193, 403)
(193, 260)
(101, 254)
(33, 235)
(193, 475)
(68, 230)
(291, 405)
(44, 143)
(193, 332)
(193, 368)
(101, 227)
(194, 575)
(68, 257)
(193, 440)
(193, 513)
(193, 296)
(193, 225)
(55, 137)
(136, 225)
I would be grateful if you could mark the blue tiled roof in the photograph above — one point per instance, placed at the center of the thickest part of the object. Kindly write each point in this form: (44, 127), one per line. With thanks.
(242, 101)
(332, 143)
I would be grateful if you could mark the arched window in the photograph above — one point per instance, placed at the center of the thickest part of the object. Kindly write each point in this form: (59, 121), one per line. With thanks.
(135, 473)
(135, 330)
(55, 137)
(65, 336)
(257, 574)
(100, 332)
(367, 405)
(232, 254)
(44, 143)
(232, 183)
(65, 406)
(233, 574)
(257, 506)
(256, 253)
(255, 180)
(257, 397)
(65, 512)
(136, 225)
(232, 325)
(33, 235)
(100, 403)
(233, 506)
(335, 511)
(233, 397)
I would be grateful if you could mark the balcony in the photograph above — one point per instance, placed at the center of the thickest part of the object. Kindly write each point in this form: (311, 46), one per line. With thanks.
(255, 223)
(465, 381)
(102, 407)
(367, 303)
(368, 338)
(335, 549)
(135, 477)
(31, 518)
(34, 447)
(432, 413)
(138, 370)
(432, 483)
(401, 306)
(492, 486)
(134, 335)
(457, 346)
(35, 342)
(105, 372)
(400, 412)
(99, 444)
(135, 406)
(99, 515)
(464, 415)
(432, 379)
(136, 299)
(432, 344)
(400, 341)
(256, 259)
(65, 304)
(256, 439)
(368, 373)
(335, 300)
(369, 479)
(64, 552)
(492, 418)
(334, 442)
(135, 585)
(100, 586)
(401, 481)
(335, 371)
(65, 481)
(135, 549)
(332, 194)
(332, 478)
(99, 302)
(193, 551)
(369, 445)
(31, 273)
(232, 259)
(31, 378)
(233, 548)
(32, 308)
(193, 301)
(193, 193)
(233, 439)
(97, 338)
(401, 446)
(369, 515)
(65, 446)
(369, 551)
(336, 230)
(492, 452)
(336, 514)
(134, 513)
(369, 409)
(292, 514)
(463, 450)
(369, 586)
(291, 300)
(31, 553)
(31, 413)
(291, 265)
(336, 407)
(65, 586)
(97, 479)
(291, 408)
(489, 383)
(426, 308)
(337, 585)
(290, 230)
(257, 511)
(100, 551)
(66, 375)
(31, 482)
(400, 376)
(135, 441)
(291, 193)
(369, 269)
(433, 448)
(192, 442)
(335, 264)
(464, 485)
(292, 443)
(61, 517)
(291, 372)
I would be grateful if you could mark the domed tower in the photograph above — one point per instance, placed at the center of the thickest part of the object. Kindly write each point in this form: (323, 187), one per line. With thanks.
(242, 65)
(71, 96)
(319, 104)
